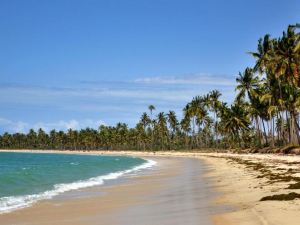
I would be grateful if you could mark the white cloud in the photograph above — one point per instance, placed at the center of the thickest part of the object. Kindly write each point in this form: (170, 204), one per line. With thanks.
(13, 126)
(23, 127)
(70, 124)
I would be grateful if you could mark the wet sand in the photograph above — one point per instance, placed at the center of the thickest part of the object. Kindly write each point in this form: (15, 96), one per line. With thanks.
(174, 192)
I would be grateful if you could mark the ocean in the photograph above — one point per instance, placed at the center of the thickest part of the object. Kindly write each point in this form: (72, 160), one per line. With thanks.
(26, 178)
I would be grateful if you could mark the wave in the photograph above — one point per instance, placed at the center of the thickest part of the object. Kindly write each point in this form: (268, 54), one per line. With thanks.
(11, 203)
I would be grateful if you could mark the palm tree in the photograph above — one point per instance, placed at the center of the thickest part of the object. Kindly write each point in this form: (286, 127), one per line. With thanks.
(145, 121)
(264, 49)
(248, 85)
(287, 56)
(151, 109)
(186, 128)
(32, 138)
(162, 130)
(247, 82)
(173, 122)
(236, 121)
(214, 105)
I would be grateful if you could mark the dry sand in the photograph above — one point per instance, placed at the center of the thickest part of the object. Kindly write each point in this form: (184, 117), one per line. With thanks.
(176, 192)
(243, 186)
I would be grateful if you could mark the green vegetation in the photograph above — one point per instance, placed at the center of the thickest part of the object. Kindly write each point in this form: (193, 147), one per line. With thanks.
(265, 113)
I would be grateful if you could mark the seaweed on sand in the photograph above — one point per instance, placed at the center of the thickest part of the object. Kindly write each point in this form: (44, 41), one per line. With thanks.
(282, 197)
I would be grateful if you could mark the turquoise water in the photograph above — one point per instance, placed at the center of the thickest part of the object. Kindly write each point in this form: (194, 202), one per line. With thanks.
(28, 177)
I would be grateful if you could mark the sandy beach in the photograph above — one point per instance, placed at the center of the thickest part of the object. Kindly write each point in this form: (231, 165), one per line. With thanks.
(184, 188)
(174, 192)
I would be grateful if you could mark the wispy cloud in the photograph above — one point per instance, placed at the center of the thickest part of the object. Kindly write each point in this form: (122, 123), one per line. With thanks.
(112, 101)
(176, 90)
(199, 79)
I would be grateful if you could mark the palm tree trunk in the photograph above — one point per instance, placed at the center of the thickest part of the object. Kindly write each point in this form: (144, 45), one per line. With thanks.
(265, 135)
(295, 126)
(289, 126)
(271, 131)
(258, 131)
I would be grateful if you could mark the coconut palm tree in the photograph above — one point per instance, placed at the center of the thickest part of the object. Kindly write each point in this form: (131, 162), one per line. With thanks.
(173, 124)
(247, 83)
(214, 103)
(151, 109)
(145, 121)
(236, 121)
(162, 130)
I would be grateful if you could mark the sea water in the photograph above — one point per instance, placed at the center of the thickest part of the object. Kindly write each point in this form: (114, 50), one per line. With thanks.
(26, 178)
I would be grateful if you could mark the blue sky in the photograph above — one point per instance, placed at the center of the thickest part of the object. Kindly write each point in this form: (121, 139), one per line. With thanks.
(71, 64)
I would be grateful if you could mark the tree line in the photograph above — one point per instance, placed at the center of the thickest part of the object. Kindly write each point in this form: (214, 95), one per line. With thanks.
(265, 112)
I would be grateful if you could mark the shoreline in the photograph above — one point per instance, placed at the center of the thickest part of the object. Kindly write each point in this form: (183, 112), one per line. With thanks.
(57, 188)
(254, 176)
(154, 196)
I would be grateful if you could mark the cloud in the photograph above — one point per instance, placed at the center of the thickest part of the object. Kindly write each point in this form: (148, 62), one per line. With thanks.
(114, 101)
(23, 127)
(70, 124)
(166, 89)
(200, 79)
(13, 126)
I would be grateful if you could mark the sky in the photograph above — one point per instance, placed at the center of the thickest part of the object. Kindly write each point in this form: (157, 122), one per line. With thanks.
(81, 63)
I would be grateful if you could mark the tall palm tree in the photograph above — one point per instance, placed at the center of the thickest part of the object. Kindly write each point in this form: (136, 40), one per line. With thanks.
(264, 49)
(247, 82)
(162, 130)
(248, 85)
(186, 128)
(173, 122)
(151, 109)
(214, 103)
(145, 121)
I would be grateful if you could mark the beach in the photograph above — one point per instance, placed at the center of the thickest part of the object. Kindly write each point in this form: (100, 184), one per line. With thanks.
(175, 192)
(184, 188)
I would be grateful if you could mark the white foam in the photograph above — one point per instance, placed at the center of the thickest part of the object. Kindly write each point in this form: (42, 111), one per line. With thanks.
(8, 204)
